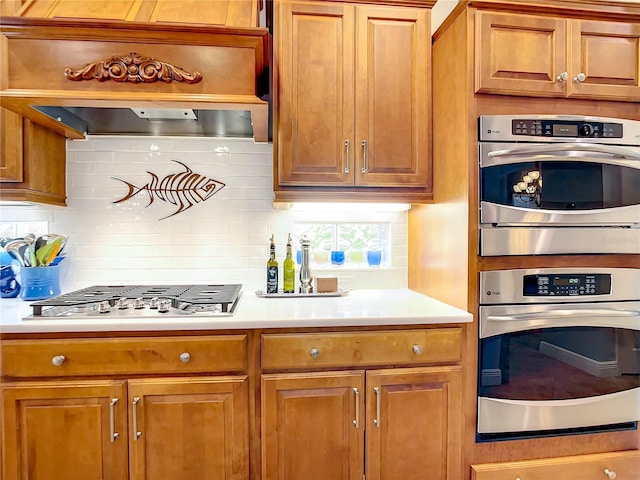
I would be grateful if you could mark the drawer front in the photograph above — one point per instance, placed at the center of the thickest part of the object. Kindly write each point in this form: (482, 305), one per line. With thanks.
(347, 349)
(618, 465)
(123, 356)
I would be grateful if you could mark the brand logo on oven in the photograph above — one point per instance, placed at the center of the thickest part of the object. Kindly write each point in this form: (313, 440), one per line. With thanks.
(492, 292)
(492, 131)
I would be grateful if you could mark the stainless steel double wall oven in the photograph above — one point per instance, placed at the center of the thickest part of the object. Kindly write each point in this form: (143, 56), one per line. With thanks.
(558, 347)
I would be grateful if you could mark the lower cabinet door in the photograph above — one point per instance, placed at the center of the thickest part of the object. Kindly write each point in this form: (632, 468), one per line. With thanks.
(189, 428)
(65, 431)
(312, 426)
(413, 423)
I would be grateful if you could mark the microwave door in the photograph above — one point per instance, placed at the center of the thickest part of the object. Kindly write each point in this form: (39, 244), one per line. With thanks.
(559, 184)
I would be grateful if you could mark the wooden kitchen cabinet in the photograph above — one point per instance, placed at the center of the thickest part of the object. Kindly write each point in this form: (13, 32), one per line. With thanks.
(32, 163)
(314, 425)
(65, 430)
(618, 465)
(63, 427)
(546, 56)
(352, 86)
(373, 420)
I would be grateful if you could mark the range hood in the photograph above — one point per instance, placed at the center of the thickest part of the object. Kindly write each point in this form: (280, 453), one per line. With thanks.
(79, 77)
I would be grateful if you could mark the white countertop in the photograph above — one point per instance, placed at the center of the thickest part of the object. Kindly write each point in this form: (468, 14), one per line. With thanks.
(357, 308)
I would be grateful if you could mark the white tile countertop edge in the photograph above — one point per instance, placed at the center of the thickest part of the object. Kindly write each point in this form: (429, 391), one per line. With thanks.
(357, 308)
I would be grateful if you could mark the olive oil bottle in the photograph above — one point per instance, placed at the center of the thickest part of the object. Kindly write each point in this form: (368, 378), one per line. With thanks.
(289, 282)
(272, 269)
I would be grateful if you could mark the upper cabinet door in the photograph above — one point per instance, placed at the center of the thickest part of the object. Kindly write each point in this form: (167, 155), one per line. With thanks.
(604, 60)
(314, 88)
(520, 55)
(11, 166)
(392, 96)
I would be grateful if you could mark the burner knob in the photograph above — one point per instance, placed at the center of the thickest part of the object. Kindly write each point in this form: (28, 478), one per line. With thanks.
(138, 303)
(122, 303)
(104, 307)
(153, 303)
(164, 305)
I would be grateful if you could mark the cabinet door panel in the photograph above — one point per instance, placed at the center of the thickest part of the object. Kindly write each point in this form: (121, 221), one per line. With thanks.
(392, 96)
(189, 428)
(608, 54)
(413, 423)
(520, 54)
(11, 166)
(62, 431)
(315, 94)
(308, 429)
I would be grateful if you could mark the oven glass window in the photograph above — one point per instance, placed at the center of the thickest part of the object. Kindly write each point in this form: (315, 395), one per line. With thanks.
(559, 363)
(558, 185)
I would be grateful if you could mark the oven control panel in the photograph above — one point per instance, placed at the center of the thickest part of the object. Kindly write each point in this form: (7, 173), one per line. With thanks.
(565, 128)
(566, 284)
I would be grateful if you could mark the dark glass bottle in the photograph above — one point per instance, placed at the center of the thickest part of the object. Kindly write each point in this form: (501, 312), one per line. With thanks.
(272, 269)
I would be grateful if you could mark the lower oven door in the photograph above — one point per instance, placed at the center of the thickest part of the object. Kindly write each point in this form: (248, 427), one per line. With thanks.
(558, 366)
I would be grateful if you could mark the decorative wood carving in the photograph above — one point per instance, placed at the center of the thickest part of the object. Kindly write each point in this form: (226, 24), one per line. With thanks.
(132, 68)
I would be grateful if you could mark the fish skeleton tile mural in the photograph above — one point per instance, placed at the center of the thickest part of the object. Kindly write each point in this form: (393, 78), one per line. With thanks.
(183, 189)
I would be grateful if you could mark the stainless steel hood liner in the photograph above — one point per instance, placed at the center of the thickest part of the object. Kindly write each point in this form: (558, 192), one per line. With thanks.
(125, 121)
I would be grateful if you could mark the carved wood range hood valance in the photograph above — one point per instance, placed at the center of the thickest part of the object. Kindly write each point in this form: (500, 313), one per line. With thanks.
(83, 76)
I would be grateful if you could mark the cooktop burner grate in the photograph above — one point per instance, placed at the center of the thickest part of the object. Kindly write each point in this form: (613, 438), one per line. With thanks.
(196, 297)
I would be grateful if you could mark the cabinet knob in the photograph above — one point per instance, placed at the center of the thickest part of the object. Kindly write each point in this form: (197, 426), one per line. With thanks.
(314, 352)
(610, 474)
(417, 349)
(562, 77)
(185, 357)
(58, 360)
(581, 77)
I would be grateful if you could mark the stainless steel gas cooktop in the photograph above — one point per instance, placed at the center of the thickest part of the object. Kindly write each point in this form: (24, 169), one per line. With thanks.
(135, 301)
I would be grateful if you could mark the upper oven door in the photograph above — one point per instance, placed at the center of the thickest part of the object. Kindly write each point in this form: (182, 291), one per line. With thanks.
(560, 183)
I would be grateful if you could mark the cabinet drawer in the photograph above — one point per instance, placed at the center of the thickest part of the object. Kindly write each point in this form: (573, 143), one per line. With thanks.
(396, 347)
(619, 465)
(126, 356)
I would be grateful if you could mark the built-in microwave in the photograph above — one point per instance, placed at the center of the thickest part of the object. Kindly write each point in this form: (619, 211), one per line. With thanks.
(552, 184)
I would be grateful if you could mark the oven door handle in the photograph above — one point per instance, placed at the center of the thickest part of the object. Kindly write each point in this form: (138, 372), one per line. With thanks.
(567, 147)
(587, 312)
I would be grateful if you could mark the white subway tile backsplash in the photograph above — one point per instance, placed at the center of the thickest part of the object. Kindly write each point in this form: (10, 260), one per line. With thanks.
(222, 239)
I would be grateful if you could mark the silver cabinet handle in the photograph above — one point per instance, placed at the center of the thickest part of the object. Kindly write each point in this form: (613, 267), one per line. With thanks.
(185, 357)
(356, 422)
(589, 148)
(564, 76)
(314, 353)
(585, 313)
(364, 157)
(417, 349)
(581, 77)
(134, 407)
(347, 167)
(376, 421)
(112, 420)
(610, 474)
(58, 360)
